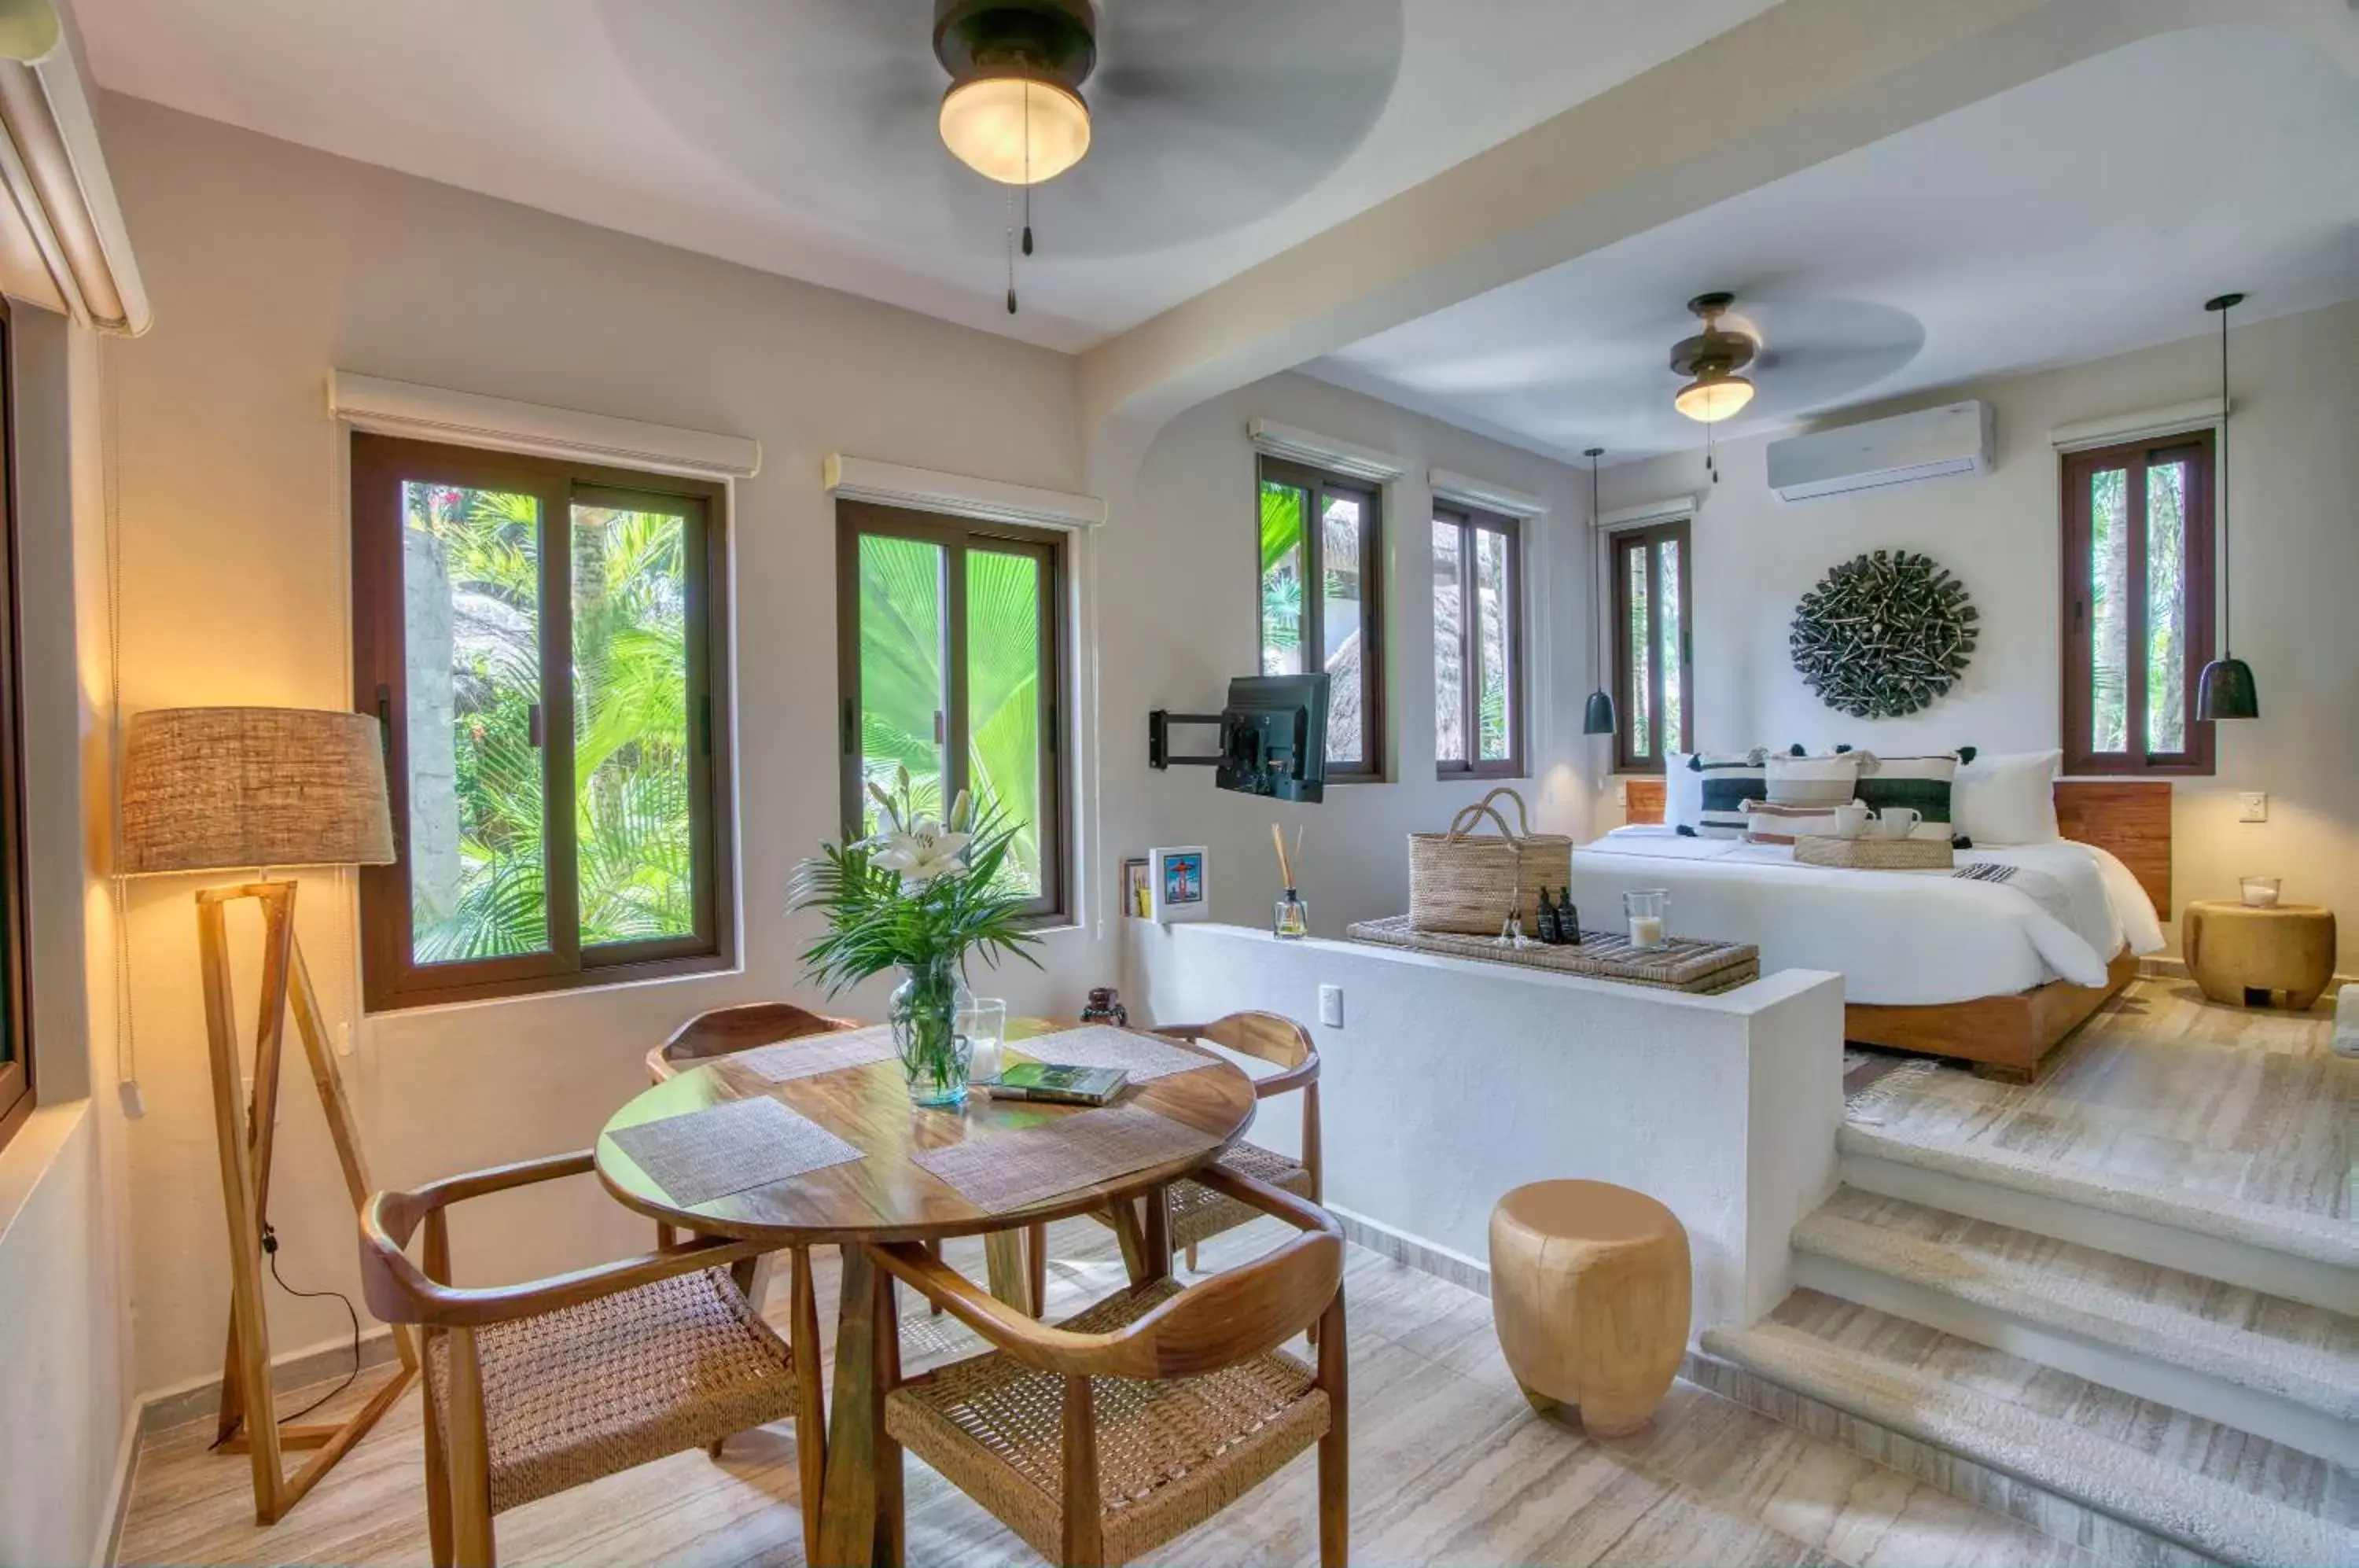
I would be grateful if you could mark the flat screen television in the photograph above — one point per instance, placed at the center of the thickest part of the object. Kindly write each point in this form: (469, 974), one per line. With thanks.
(1274, 738)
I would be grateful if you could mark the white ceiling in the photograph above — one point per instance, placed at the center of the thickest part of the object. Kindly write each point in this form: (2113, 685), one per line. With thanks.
(796, 135)
(2084, 214)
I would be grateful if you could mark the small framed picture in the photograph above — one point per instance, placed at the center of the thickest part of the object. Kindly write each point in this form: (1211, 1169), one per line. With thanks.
(1175, 884)
(1136, 898)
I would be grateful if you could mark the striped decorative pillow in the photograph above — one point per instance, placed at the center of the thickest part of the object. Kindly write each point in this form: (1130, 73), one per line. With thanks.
(1814, 780)
(1728, 783)
(1923, 784)
(1765, 821)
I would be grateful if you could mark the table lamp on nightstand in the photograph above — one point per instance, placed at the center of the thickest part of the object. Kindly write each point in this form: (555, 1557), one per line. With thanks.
(222, 789)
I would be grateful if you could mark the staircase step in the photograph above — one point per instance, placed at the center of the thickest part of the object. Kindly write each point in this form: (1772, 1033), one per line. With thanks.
(2282, 1368)
(2309, 1258)
(2196, 1484)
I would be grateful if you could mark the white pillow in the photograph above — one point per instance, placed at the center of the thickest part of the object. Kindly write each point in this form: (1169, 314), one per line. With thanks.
(2007, 798)
(1683, 792)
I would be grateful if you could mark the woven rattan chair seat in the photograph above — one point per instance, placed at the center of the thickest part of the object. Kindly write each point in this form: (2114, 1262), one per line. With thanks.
(1171, 1453)
(588, 1391)
(1199, 1213)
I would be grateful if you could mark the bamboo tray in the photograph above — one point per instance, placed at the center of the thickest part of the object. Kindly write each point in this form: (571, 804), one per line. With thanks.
(1700, 967)
(1876, 854)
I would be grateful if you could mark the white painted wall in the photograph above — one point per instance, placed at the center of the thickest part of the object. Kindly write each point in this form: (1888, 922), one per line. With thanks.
(1452, 1082)
(2295, 519)
(65, 1340)
(272, 265)
(1182, 616)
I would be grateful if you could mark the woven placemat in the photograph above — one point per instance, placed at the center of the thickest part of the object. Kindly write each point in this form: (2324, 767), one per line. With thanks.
(1017, 1168)
(1097, 1045)
(730, 1147)
(814, 1054)
(1701, 968)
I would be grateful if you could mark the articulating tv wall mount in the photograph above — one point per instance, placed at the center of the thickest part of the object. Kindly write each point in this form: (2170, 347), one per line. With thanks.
(1158, 739)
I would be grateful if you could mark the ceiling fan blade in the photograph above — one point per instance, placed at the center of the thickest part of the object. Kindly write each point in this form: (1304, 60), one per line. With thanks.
(830, 108)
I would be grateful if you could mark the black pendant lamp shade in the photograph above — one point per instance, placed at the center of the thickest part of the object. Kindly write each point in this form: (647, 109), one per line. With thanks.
(2225, 689)
(1597, 717)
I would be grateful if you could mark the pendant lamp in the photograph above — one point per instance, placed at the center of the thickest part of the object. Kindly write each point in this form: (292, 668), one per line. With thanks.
(1597, 717)
(2226, 690)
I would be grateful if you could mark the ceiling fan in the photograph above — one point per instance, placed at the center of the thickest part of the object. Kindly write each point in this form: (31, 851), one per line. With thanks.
(1712, 359)
(1143, 124)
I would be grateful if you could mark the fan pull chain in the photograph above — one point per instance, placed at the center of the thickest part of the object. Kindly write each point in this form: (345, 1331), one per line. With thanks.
(1028, 169)
(1710, 465)
(1011, 253)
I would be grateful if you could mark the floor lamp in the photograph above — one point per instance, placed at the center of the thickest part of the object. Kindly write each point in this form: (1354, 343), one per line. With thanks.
(216, 788)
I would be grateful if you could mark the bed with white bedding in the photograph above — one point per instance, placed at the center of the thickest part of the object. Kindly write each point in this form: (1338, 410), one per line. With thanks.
(1898, 938)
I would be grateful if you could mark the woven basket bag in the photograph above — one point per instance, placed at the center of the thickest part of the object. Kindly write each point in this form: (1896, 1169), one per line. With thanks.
(1462, 881)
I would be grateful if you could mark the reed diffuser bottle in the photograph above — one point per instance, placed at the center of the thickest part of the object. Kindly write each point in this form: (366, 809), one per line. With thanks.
(1289, 918)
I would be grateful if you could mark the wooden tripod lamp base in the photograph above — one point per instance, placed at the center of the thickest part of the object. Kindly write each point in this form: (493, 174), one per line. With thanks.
(217, 788)
(245, 1135)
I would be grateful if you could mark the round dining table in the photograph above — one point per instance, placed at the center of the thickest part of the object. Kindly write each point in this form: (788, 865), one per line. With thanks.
(887, 1195)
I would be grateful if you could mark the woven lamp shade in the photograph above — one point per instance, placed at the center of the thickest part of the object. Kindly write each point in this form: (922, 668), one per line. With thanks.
(213, 788)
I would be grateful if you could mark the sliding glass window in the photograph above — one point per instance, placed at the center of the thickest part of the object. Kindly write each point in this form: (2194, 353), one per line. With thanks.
(2137, 606)
(1478, 629)
(544, 643)
(1322, 602)
(1654, 674)
(951, 657)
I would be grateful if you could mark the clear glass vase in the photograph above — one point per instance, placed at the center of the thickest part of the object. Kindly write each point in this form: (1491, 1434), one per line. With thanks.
(924, 1011)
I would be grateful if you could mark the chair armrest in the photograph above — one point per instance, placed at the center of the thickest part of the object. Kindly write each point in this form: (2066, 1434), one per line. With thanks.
(1026, 1338)
(1234, 1314)
(1286, 1082)
(398, 1291)
(1272, 1200)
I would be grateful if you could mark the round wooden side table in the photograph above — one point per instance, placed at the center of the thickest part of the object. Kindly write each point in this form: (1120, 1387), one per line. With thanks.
(2239, 953)
(1590, 1294)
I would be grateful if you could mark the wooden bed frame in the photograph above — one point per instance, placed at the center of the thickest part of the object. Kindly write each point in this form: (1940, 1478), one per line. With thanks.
(2010, 1037)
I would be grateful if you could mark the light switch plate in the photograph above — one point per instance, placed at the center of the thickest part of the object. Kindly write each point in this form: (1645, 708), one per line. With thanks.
(1330, 1006)
(2252, 806)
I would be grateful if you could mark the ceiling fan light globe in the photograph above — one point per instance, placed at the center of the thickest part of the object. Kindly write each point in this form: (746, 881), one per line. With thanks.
(985, 124)
(1712, 398)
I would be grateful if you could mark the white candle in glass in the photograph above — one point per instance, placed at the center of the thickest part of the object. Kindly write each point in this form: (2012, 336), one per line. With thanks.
(1645, 931)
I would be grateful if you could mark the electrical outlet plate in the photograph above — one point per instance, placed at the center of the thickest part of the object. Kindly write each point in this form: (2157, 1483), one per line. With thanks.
(2252, 806)
(1330, 1006)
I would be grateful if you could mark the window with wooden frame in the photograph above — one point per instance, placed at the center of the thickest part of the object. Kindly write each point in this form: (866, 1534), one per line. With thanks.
(1653, 653)
(954, 653)
(1478, 632)
(546, 645)
(17, 1095)
(1321, 589)
(2137, 606)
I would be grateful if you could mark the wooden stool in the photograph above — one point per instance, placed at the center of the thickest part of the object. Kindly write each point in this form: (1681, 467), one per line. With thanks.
(2239, 954)
(1589, 1292)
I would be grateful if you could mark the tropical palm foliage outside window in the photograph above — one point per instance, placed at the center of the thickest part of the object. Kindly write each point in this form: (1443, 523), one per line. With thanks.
(544, 650)
(1477, 642)
(952, 673)
(2137, 586)
(1342, 619)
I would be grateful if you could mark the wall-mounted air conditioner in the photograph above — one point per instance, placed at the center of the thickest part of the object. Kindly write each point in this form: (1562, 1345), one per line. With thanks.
(1907, 449)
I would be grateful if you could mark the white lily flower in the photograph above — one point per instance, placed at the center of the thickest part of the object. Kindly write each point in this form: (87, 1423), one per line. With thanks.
(927, 849)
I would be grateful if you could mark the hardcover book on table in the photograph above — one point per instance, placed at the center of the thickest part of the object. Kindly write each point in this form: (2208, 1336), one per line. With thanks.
(1050, 1082)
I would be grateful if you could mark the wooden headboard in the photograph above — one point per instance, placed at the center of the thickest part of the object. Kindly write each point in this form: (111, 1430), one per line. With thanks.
(2129, 818)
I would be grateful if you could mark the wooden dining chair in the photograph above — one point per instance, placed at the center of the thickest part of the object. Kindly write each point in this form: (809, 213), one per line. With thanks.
(724, 1031)
(1196, 1214)
(1117, 1430)
(536, 1389)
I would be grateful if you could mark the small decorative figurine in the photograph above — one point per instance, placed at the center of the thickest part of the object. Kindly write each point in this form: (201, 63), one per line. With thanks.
(1544, 922)
(1568, 920)
(1105, 1008)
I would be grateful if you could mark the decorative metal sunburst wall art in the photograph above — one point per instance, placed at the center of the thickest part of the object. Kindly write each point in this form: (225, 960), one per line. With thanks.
(1883, 634)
